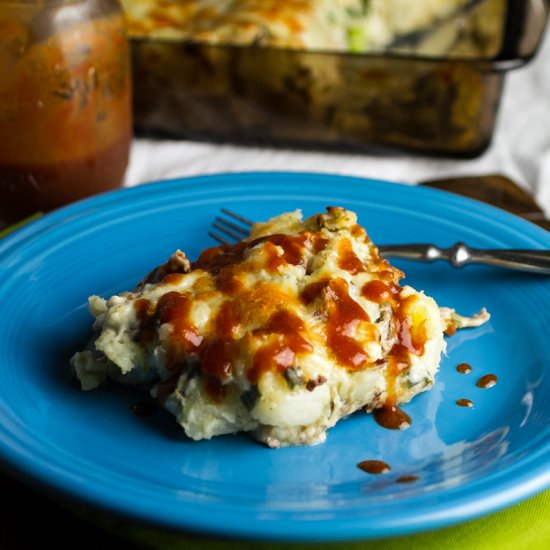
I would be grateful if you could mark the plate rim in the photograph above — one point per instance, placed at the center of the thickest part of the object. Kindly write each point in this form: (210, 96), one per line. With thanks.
(110, 198)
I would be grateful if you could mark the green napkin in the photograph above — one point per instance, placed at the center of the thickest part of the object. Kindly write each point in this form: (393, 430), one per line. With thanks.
(525, 526)
(10, 229)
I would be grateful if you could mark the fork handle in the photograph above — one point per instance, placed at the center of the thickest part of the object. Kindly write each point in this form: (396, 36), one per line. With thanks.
(459, 255)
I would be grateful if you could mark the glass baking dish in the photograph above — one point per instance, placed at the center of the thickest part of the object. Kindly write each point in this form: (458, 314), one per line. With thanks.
(434, 91)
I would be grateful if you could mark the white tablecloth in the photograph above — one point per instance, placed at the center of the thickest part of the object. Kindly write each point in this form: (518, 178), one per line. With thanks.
(520, 148)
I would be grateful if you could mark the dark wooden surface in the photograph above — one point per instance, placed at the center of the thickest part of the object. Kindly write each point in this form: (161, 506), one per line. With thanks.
(31, 520)
(497, 190)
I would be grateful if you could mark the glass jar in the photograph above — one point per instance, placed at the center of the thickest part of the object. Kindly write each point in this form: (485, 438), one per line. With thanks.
(65, 102)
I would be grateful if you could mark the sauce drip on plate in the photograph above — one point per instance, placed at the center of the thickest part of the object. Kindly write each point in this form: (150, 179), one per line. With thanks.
(464, 368)
(487, 381)
(406, 479)
(392, 417)
(374, 467)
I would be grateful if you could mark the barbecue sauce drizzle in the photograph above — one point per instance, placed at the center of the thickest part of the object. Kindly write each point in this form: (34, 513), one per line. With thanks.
(409, 340)
(284, 331)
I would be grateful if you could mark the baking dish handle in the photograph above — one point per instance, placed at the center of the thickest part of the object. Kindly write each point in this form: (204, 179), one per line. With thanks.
(526, 21)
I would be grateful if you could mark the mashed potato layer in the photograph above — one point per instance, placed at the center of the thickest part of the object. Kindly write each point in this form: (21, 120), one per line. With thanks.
(280, 335)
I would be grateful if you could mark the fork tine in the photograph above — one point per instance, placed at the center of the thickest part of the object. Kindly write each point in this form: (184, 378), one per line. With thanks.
(235, 235)
(238, 217)
(219, 238)
(228, 231)
(226, 225)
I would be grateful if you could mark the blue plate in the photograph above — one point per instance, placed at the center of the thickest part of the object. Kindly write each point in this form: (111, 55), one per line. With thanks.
(89, 446)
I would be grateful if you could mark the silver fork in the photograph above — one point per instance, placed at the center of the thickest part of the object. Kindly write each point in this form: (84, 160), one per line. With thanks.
(233, 227)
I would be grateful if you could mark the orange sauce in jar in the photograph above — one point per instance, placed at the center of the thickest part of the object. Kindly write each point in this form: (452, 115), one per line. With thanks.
(65, 103)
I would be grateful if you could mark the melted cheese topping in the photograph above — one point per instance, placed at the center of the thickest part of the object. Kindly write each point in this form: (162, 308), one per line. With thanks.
(280, 335)
(283, 297)
(341, 25)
